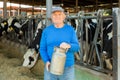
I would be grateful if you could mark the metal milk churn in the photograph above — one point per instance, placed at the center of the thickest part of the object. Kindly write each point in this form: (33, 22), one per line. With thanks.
(58, 61)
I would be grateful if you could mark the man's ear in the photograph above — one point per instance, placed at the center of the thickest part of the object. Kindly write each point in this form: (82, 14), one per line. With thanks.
(64, 15)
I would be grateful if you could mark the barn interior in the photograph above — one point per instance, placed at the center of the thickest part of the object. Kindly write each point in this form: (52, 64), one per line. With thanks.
(79, 10)
(70, 6)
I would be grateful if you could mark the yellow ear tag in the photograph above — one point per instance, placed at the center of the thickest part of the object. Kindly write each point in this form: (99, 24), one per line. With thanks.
(5, 23)
(11, 29)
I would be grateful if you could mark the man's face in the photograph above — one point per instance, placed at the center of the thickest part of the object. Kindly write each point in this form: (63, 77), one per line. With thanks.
(58, 17)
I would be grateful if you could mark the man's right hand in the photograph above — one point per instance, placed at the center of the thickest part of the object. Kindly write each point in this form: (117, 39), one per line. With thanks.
(47, 66)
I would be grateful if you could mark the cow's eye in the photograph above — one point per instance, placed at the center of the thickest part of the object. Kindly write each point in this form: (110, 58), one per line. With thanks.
(31, 58)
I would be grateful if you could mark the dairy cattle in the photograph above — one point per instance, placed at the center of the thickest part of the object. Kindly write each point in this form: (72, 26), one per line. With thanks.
(104, 44)
(88, 32)
(107, 42)
(32, 53)
(89, 28)
(10, 25)
(14, 25)
(24, 30)
(3, 27)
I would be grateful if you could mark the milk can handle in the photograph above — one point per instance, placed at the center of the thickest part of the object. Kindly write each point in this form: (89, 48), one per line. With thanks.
(66, 50)
(59, 47)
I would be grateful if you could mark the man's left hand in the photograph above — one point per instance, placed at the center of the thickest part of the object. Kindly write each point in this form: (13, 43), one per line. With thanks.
(65, 45)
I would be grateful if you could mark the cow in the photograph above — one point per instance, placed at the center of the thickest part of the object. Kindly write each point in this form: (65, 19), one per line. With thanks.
(89, 28)
(107, 51)
(14, 25)
(31, 55)
(23, 28)
(3, 27)
(9, 25)
(88, 33)
(14, 28)
(102, 43)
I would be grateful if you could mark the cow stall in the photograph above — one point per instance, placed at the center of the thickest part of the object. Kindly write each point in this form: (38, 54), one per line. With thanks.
(16, 47)
(91, 41)
(94, 31)
(109, 52)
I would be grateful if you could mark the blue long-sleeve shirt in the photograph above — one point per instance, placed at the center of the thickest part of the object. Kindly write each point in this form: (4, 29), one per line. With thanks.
(52, 37)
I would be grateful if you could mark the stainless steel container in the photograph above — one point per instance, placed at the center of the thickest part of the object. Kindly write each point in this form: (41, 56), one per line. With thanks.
(58, 61)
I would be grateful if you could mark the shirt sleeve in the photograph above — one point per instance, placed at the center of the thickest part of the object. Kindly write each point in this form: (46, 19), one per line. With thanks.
(74, 43)
(43, 48)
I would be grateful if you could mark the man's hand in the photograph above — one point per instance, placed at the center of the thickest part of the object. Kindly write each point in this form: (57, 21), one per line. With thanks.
(65, 45)
(47, 66)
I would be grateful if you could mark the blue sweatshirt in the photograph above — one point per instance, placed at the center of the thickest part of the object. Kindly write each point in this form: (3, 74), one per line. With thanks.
(52, 37)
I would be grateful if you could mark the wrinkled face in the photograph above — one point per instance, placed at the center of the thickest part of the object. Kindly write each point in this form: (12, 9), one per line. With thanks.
(58, 17)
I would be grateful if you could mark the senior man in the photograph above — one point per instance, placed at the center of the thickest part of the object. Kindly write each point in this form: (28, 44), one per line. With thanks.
(63, 36)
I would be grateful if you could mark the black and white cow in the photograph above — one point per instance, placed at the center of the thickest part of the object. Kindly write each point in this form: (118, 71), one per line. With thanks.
(89, 28)
(14, 25)
(9, 25)
(89, 25)
(14, 28)
(23, 29)
(3, 27)
(107, 42)
(106, 47)
(31, 55)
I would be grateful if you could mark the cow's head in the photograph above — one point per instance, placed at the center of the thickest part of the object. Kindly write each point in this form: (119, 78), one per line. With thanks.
(3, 27)
(14, 25)
(30, 58)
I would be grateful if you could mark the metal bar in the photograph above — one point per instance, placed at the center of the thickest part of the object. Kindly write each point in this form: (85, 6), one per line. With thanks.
(83, 17)
(96, 5)
(91, 13)
(76, 6)
(19, 9)
(116, 44)
(10, 10)
(5, 9)
(98, 56)
(96, 68)
(81, 38)
(104, 17)
(89, 17)
(48, 12)
(93, 45)
(81, 14)
(86, 42)
(33, 7)
(119, 3)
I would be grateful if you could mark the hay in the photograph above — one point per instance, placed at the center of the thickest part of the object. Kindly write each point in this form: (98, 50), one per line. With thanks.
(11, 59)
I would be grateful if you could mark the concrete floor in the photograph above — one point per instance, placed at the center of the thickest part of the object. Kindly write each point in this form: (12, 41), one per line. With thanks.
(82, 73)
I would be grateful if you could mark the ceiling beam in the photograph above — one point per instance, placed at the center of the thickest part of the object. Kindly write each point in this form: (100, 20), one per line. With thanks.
(66, 3)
